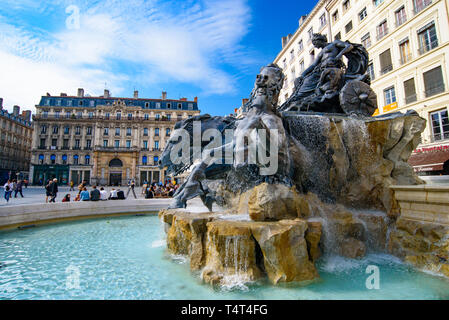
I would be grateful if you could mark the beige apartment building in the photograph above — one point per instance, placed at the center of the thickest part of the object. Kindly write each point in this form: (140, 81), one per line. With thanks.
(408, 44)
(104, 140)
(16, 133)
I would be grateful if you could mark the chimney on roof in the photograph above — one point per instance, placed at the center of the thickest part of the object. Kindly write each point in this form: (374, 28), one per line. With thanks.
(63, 94)
(195, 99)
(26, 115)
(106, 93)
(183, 99)
(80, 92)
(16, 111)
(302, 19)
(1, 103)
(164, 95)
(136, 94)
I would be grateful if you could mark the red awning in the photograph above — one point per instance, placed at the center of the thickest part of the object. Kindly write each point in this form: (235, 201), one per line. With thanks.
(428, 161)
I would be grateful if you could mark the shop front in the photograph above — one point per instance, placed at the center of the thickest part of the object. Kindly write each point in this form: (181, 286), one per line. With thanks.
(44, 172)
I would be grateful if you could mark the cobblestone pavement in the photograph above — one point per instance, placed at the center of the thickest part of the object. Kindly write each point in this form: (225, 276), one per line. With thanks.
(36, 195)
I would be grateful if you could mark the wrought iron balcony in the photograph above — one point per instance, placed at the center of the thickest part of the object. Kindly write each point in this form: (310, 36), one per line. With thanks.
(434, 89)
(386, 69)
(428, 47)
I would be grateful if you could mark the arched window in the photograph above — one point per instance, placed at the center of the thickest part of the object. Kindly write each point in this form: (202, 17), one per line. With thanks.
(116, 163)
(53, 159)
(75, 159)
(87, 159)
(144, 160)
(41, 159)
(64, 159)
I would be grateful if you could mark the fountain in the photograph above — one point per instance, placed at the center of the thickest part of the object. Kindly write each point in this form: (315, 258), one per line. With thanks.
(329, 193)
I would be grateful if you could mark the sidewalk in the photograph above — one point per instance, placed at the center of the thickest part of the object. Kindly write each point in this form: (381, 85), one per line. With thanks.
(36, 195)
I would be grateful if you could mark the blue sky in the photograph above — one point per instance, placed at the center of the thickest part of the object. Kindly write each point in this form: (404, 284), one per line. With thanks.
(212, 49)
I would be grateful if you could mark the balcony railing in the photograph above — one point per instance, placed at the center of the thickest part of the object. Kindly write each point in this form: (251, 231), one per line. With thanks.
(428, 47)
(410, 99)
(435, 89)
(386, 69)
(405, 59)
(118, 149)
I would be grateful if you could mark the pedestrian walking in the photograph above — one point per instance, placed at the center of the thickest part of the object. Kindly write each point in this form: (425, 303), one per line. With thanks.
(8, 190)
(71, 185)
(54, 190)
(131, 186)
(19, 189)
(48, 190)
(14, 188)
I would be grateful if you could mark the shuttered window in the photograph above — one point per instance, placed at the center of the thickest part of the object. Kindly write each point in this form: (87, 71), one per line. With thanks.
(385, 62)
(410, 91)
(433, 81)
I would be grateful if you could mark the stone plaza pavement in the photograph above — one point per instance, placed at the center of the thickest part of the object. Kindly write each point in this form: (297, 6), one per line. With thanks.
(36, 195)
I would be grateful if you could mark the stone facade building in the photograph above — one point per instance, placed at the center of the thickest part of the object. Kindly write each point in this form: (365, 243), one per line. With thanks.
(16, 133)
(409, 52)
(104, 140)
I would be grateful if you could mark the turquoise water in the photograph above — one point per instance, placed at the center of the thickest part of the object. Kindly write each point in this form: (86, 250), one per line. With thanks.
(125, 258)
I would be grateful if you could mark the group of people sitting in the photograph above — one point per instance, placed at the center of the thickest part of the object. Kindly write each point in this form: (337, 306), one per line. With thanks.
(159, 191)
(96, 195)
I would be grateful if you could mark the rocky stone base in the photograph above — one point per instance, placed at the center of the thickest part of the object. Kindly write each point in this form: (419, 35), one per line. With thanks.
(424, 245)
(282, 251)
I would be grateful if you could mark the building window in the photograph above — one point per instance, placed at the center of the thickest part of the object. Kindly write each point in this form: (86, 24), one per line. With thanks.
(66, 130)
(145, 131)
(107, 115)
(404, 50)
(167, 131)
(130, 116)
(156, 160)
(168, 117)
(118, 116)
(146, 116)
(377, 2)
(157, 116)
(346, 5)
(128, 131)
(168, 105)
(106, 131)
(45, 114)
(301, 66)
(312, 56)
(179, 105)
(419, 5)
(69, 103)
(427, 37)
(44, 129)
(400, 16)
(89, 131)
(156, 145)
(91, 115)
(323, 20)
(128, 144)
(440, 125)
(92, 103)
(284, 63)
(87, 159)
(366, 40)
(158, 105)
(68, 114)
(145, 144)
(64, 159)
(300, 46)
(105, 143)
(433, 82)
(65, 144)
(385, 62)
(42, 144)
(117, 131)
(410, 91)
(389, 95)
(75, 159)
(77, 130)
(147, 105)
(335, 16)
(80, 103)
(117, 143)
(156, 131)
(55, 129)
(310, 33)
(144, 160)
(53, 159)
(190, 106)
(88, 144)
(41, 159)
(292, 54)
(382, 30)
(57, 114)
(371, 70)
(79, 114)
(77, 143)
(348, 27)
(362, 14)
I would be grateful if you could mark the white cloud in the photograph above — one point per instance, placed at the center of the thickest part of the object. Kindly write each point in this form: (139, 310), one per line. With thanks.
(182, 41)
